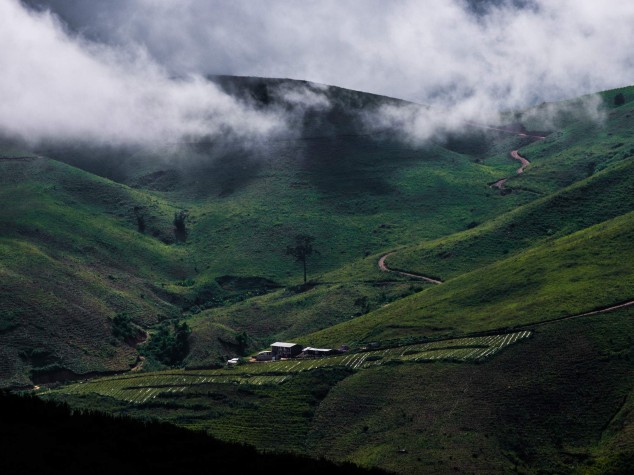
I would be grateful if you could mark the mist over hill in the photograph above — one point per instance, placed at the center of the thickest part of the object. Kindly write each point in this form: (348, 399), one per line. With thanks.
(128, 262)
(141, 83)
(454, 269)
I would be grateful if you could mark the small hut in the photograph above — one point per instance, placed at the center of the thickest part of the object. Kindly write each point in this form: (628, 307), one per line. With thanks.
(281, 349)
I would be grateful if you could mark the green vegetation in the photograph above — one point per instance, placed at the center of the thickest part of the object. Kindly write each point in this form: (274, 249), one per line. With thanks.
(258, 409)
(302, 250)
(73, 247)
(247, 402)
(169, 344)
(124, 329)
(538, 407)
(587, 270)
(186, 246)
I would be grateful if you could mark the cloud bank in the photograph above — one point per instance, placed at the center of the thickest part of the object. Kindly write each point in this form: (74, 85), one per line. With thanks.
(55, 86)
(468, 58)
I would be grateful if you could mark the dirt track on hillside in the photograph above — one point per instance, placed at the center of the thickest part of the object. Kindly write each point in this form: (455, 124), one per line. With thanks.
(500, 184)
(516, 156)
(383, 266)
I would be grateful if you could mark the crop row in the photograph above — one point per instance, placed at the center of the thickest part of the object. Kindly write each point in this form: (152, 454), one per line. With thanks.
(141, 388)
(146, 387)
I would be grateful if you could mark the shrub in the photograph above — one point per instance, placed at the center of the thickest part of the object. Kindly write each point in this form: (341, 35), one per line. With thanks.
(619, 99)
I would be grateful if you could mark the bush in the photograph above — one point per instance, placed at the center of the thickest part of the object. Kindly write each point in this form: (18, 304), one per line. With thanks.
(619, 99)
(124, 329)
(170, 344)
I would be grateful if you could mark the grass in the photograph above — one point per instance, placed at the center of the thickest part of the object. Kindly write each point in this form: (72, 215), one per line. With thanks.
(250, 402)
(408, 417)
(540, 407)
(587, 270)
(142, 387)
(72, 257)
(258, 410)
(71, 248)
(604, 195)
(71, 263)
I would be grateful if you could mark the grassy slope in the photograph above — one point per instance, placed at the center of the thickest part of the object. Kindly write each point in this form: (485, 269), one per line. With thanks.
(588, 195)
(604, 195)
(359, 196)
(270, 416)
(70, 257)
(355, 196)
(552, 403)
(71, 248)
(586, 270)
(549, 403)
(555, 402)
(285, 314)
(585, 172)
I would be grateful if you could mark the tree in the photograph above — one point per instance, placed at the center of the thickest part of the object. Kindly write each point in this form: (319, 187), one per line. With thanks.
(619, 99)
(242, 340)
(140, 219)
(302, 250)
(168, 345)
(180, 226)
(124, 328)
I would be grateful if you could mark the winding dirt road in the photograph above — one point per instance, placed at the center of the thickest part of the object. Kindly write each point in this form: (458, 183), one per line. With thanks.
(516, 156)
(383, 266)
(514, 153)
(500, 184)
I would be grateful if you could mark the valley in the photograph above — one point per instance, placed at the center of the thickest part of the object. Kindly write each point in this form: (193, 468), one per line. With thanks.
(488, 320)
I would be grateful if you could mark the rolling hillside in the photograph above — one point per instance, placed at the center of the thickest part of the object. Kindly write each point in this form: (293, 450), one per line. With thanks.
(511, 358)
(97, 248)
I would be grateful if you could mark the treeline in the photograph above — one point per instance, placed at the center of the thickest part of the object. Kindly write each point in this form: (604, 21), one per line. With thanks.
(39, 436)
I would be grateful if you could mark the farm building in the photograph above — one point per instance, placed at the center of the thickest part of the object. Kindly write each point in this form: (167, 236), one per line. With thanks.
(266, 355)
(319, 351)
(285, 350)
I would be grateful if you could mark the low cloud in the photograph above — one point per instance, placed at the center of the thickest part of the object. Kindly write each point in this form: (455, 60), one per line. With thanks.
(55, 86)
(112, 77)
(304, 97)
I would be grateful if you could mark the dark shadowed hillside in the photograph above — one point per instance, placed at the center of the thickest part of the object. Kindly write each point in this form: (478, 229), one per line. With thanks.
(46, 437)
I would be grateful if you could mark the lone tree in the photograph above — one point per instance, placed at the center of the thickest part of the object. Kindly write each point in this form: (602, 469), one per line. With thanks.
(180, 226)
(302, 249)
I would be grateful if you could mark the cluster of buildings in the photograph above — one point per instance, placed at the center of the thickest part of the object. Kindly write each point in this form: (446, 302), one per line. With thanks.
(281, 350)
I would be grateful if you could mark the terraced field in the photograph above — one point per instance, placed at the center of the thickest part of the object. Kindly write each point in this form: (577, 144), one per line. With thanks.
(141, 388)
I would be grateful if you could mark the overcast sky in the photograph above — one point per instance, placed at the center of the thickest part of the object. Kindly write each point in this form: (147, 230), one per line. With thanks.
(103, 54)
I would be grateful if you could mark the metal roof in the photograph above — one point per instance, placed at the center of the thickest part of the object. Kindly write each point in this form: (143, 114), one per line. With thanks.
(283, 345)
(317, 349)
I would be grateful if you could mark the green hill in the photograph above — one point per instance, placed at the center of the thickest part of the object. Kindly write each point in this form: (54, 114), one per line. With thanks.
(71, 258)
(81, 249)
(588, 270)
(109, 254)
